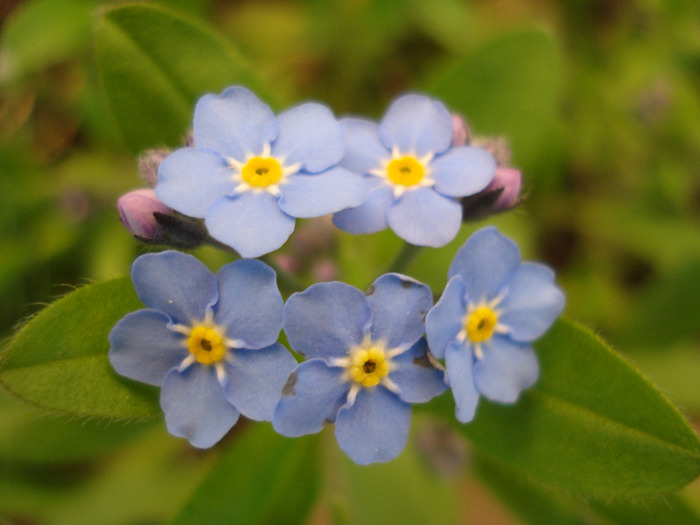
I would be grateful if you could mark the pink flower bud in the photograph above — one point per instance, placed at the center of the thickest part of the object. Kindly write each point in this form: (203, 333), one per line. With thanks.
(149, 161)
(511, 180)
(460, 131)
(136, 210)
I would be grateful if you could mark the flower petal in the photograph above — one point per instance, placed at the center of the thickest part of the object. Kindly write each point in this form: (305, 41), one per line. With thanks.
(251, 223)
(195, 407)
(234, 124)
(307, 196)
(506, 369)
(364, 150)
(418, 380)
(142, 347)
(425, 218)
(311, 136)
(485, 262)
(462, 171)
(375, 427)
(250, 306)
(399, 305)
(254, 379)
(446, 319)
(370, 217)
(459, 363)
(326, 320)
(190, 180)
(416, 124)
(175, 283)
(532, 302)
(310, 399)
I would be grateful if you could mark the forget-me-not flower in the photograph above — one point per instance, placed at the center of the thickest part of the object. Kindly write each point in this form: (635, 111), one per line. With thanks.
(250, 174)
(414, 174)
(209, 342)
(367, 363)
(493, 308)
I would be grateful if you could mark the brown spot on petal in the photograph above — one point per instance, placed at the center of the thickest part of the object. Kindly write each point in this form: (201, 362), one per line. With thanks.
(288, 388)
(369, 291)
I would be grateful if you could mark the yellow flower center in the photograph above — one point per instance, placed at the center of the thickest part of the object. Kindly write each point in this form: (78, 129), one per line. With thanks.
(481, 324)
(262, 171)
(406, 171)
(206, 344)
(368, 366)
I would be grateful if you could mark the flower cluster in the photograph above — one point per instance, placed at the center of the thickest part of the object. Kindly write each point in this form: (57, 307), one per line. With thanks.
(211, 341)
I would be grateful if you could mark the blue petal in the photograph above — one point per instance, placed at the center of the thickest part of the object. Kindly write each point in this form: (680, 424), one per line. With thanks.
(462, 171)
(425, 218)
(307, 196)
(399, 305)
(506, 369)
(375, 428)
(364, 150)
(532, 302)
(446, 319)
(142, 347)
(310, 399)
(254, 379)
(416, 124)
(418, 380)
(309, 135)
(370, 217)
(326, 319)
(234, 124)
(191, 180)
(250, 306)
(459, 363)
(251, 223)
(175, 283)
(485, 262)
(195, 407)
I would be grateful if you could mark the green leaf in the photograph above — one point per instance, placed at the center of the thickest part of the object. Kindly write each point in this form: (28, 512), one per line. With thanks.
(592, 424)
(59, 359)
(263, 478)
(510, 86)
(28, 434)
(154, 65)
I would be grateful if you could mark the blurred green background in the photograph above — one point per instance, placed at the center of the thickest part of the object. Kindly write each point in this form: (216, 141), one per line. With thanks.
(600, 102)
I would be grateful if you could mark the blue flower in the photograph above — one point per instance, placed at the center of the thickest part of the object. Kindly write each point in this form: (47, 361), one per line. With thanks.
(367, 363)
(250, 174)
(493, 307)
(208, 340)
(414, 174)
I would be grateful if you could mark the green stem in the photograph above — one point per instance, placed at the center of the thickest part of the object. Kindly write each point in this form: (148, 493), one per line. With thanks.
(404, 258)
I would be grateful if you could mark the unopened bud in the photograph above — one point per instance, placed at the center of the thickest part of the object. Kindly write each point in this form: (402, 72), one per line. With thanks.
(149, 161)
(151, 221)
(511, 181)
(460, 130)
(137, 209)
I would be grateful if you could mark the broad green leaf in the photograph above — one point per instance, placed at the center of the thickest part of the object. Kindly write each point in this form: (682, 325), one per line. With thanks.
(538, 503)
(511, 86)
(263, 478)
(532, 502)
(28, 434)
(58, 360)
(592, 424)
(154, 66)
